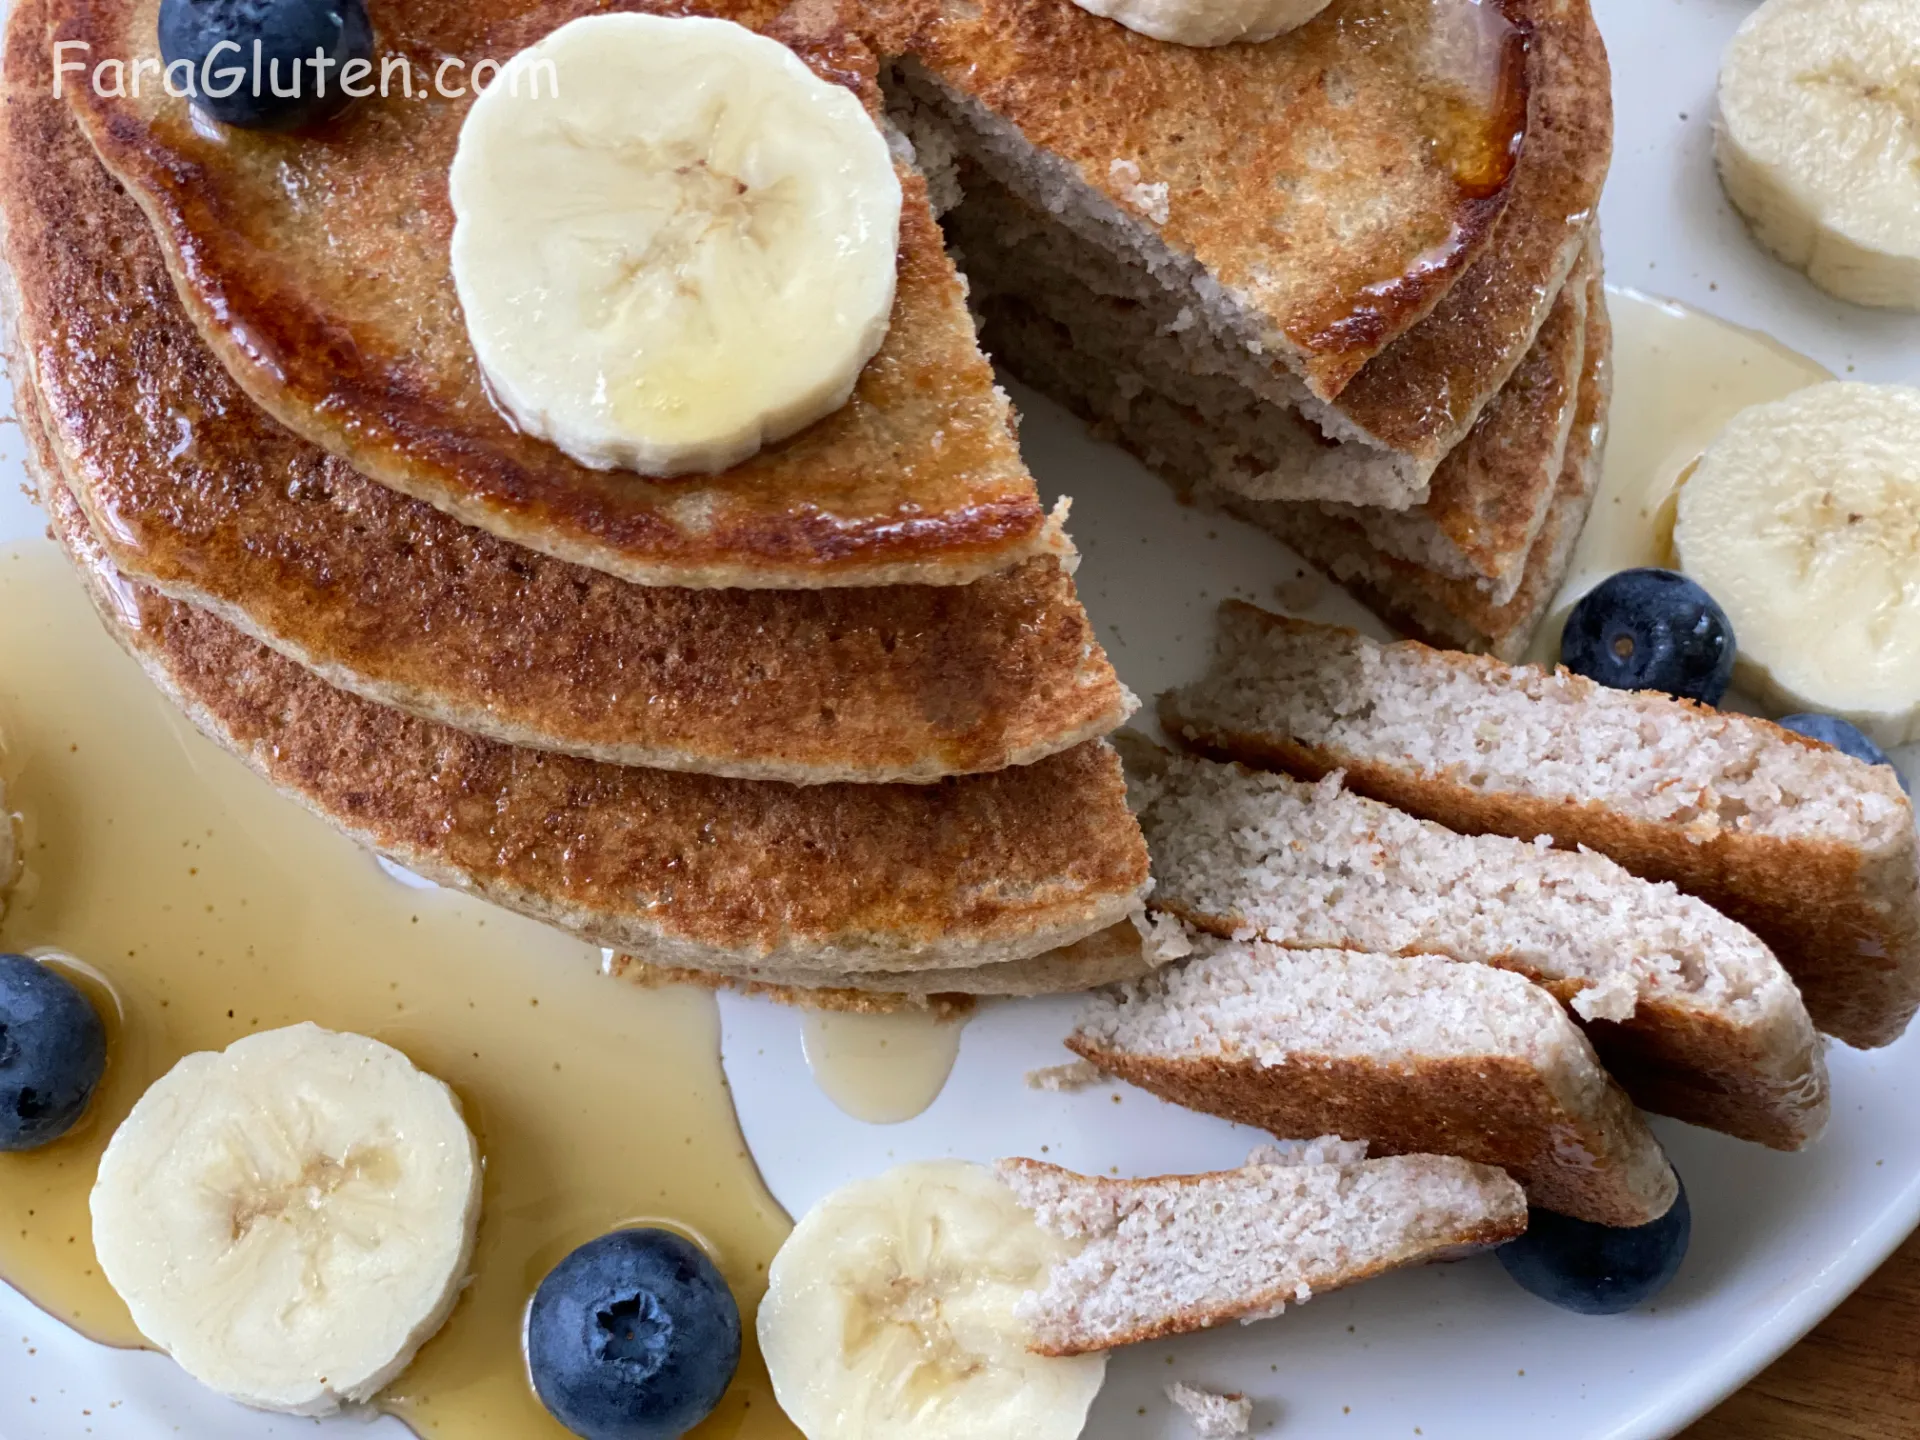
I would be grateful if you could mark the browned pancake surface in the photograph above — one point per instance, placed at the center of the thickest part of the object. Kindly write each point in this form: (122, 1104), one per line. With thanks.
(316, 265)
(1459, 611)
(194, 489)
(1337, 180)
(1422, 393)
(1448, 612)
(712, 874)
(1490, 496)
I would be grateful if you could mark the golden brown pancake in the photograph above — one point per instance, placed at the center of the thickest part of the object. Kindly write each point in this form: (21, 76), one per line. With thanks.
(1342, 214)
(1458, 614)
(1490, 496)
(316, 266)
(1336, 180)
(196, 491)
(1178, 442)
(1111, 957)
(1064, 243)
(729, 876)
(1423, 393)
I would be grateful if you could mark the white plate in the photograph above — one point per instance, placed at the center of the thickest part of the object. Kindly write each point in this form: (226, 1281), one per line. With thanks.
(1449, 1353)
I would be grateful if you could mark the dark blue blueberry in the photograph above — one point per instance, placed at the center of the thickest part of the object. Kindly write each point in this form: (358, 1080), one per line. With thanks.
(284, 88)
(1651, 630)
(1598, 1269)
(1844, 736)
(633, 1336)
(52, 1051)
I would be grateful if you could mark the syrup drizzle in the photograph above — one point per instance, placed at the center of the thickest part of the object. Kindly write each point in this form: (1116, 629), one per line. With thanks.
(1679, 376)
(208, 908)
(881, 1068)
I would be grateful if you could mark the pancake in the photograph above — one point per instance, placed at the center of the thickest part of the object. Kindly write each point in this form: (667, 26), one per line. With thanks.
(729, 876)
(1182, 444)
(1114, 956)
(316, 267)
(1456, 614)
(1334, 182)
(1491, 495)
(1380, 443)
(1028, 228)
(197, 492)
(1423, 394)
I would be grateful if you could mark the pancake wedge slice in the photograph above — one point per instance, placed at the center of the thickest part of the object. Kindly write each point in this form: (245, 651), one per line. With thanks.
(1453, 611)
(1171, 1254)
(1259, 233)
(1812, 850)
(1689, 1011)
(1413, 1054)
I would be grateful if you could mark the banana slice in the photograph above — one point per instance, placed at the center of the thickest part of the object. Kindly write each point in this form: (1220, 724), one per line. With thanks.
(1208, 22)
(890, 1315)
(290, 1218)
(1819, 141)
(1803, 521)
(674, 243)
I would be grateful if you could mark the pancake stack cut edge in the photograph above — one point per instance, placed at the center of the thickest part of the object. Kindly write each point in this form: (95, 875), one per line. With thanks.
(787, 770)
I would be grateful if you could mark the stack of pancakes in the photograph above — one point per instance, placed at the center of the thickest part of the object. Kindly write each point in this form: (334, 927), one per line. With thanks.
(831, 718)
(1346, 284)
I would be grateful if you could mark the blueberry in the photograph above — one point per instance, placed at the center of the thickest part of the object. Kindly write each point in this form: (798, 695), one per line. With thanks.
(1842, 735)
(634, 1336)
(1651, 630)
(230, 87)
(1598, 1269)
(52, 1051)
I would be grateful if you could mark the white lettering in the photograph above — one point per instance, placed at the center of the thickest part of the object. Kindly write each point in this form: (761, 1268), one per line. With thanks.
(61, 65)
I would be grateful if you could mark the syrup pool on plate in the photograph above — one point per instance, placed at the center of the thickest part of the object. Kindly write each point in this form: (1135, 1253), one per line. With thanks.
(1679, 375)
(882, 1068)
(210, 907)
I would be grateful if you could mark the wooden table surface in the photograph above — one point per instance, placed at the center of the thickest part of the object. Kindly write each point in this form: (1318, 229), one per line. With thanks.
(1856, 1377)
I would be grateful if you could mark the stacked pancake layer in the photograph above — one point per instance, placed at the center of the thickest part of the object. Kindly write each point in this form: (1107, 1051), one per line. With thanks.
(832, 717)
(1428, 434)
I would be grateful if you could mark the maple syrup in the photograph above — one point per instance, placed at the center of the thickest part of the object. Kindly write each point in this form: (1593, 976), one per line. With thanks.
(1679, 376)
(882, 1068)
(205, 907)
(1476, 63)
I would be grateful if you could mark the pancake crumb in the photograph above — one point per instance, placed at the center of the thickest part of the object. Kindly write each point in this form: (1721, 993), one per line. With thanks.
(1214, 1417)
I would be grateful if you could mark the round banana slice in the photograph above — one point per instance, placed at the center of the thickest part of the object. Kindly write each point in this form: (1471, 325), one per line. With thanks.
(1208, 22)
(1819, 141)
(1803, 521)
(889, 1315)
(673, 242)
(290, 1218)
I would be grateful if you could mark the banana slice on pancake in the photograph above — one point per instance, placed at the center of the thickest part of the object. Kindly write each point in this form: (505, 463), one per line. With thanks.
(673, 242)
(1208, 22)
